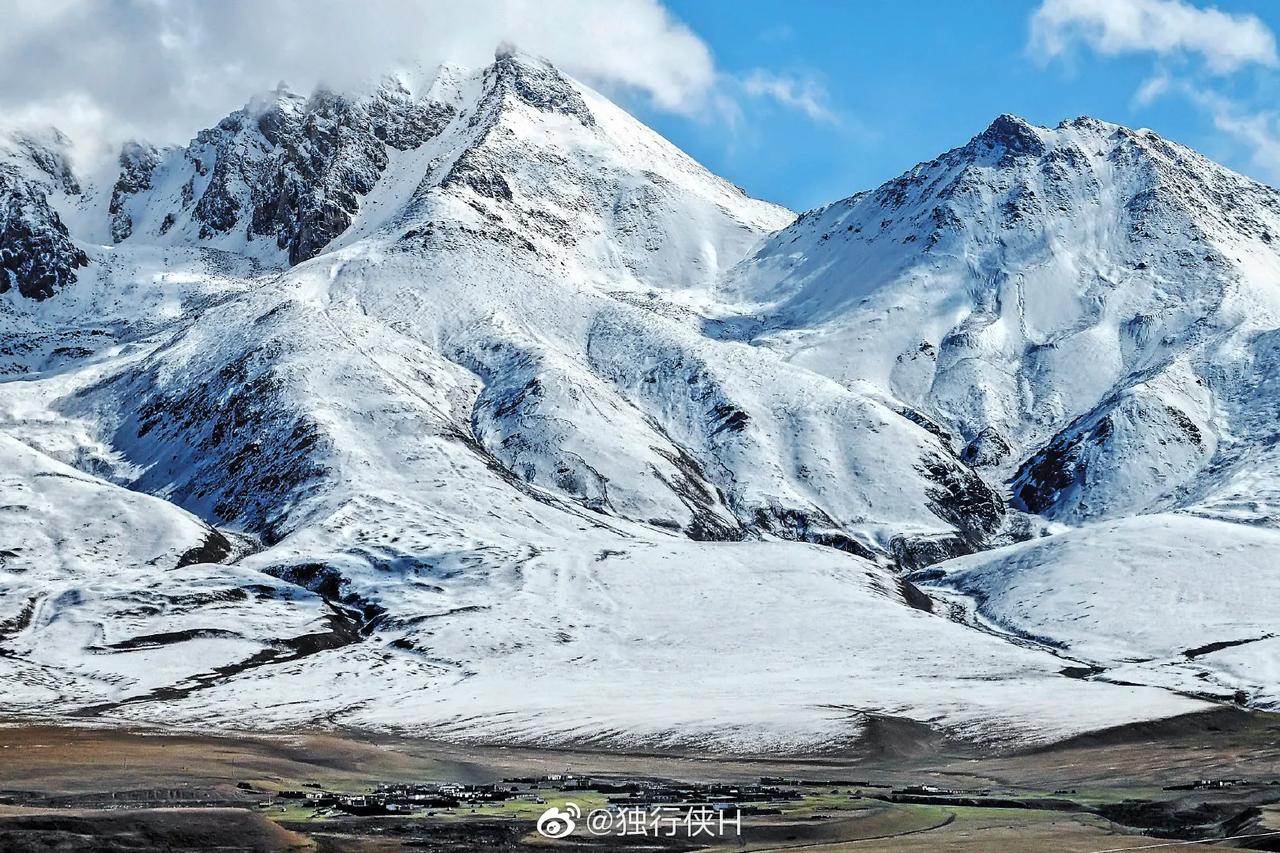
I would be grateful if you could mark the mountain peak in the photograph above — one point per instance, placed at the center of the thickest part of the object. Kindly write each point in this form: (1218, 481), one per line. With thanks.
(1016, 135)
(1090, 123)
(537, 83)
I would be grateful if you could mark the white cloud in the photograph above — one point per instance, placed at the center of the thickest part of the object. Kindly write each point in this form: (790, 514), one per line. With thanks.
(1225, 44)
(1257, 131)
(162, 69)
(1151, 89)
(1224, 41)
(804, 94)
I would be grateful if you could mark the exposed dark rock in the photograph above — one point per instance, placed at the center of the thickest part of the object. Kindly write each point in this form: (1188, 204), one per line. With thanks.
(924, 421)
(36, 253)
(214, 549)
(912, 595)
(250, 456)
(481, 179)
(1082, 672)
(1013, 135)
(812, 526)
(913, 553)
(20, 622)
(137, 164)
(540, 86)
(987, 448)
(166, 638)
(705, 504)
(1185, 424)
(731, 419)
(324, 581)
(1210, 648)
(293, 169)
(361, 615)
(1060, 465)
(962, 498)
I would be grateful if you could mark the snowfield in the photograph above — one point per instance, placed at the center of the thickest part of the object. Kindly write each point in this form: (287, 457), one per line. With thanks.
(467, 406)
(1188, 603)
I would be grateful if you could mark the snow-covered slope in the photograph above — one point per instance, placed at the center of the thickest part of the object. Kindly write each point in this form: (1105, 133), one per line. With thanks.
(1082, 306)
(549, 252)
(1184, 602)
(106, 593)
(471, 377)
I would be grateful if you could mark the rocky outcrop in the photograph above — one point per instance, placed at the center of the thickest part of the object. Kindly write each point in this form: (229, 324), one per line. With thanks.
(138, 163)
(291, 168)
(539, 85)
(988, 448)
(325, 157)
(912, 553)
(37, 256)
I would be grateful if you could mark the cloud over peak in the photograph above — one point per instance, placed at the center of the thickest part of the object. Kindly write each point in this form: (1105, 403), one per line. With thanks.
(162, 69)
(1224, 41)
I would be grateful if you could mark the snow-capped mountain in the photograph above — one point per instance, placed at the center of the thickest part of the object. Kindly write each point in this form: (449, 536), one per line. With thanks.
(467, 405)
(1083, 308)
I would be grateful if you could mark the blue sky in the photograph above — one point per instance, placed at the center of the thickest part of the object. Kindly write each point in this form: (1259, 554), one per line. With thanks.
(898, 83)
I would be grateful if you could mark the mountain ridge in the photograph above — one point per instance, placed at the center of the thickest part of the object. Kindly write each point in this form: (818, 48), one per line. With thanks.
(530, 401)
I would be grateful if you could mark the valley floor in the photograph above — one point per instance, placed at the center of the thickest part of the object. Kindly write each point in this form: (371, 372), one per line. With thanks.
(69, 788)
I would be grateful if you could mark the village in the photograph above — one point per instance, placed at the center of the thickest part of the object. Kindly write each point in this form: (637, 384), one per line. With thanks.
(441, 799)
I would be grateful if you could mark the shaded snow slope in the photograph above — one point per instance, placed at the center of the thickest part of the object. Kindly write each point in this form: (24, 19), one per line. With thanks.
(104, 595)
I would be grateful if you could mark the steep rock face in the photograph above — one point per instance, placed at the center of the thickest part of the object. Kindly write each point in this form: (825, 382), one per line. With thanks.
(37, 255)
(537, 84)
(138, 162)
(330, 154)
(988, 448)
(291, 169)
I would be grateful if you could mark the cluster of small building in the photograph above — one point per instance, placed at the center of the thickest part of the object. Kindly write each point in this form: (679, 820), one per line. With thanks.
(1208, 783)
(395, 799)
(408, 798)
(714, 795)
(935, 791)
(632, 793)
